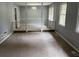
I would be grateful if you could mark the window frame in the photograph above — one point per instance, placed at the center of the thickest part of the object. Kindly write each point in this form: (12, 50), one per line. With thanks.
(64, 14)
(77, 23)
(51, 13)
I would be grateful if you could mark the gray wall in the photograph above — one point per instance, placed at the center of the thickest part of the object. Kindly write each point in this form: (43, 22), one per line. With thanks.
(33, 16)
(5, 18)
(69, 31)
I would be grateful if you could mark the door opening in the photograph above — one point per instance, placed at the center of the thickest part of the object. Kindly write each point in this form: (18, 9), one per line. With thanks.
(15, 17)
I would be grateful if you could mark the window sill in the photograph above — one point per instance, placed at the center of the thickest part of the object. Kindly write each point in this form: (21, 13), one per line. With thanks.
(61, 25)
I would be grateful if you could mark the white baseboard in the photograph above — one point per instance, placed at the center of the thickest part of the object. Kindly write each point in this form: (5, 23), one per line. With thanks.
(68, 42)
(5, 38)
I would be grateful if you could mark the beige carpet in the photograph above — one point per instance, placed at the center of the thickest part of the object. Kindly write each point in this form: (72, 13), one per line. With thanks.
(31, 44)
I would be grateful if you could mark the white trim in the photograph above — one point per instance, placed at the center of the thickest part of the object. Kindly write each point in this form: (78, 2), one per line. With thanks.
(68, 42)
(5, 38)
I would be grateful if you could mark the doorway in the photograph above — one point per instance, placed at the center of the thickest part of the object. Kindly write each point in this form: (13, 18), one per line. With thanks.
(35, 16)
(16, 18)
(15, 10)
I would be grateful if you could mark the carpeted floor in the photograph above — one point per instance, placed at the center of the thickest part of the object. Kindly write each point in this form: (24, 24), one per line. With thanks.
(31, 44)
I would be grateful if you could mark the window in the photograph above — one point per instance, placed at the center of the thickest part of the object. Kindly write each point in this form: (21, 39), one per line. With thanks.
(77, 26)
(51, 9)
(62, 17)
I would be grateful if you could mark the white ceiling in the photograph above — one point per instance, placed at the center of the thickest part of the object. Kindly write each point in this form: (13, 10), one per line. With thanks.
(32, 3)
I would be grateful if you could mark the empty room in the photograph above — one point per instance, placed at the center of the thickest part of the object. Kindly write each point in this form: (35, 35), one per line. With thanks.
(39, 29)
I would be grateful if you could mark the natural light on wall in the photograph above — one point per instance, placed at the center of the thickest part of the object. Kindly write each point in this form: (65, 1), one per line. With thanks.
(51, 9)
(62, 17)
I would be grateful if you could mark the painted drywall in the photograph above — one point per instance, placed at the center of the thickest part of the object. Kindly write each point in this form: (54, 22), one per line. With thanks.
(29, 15)
(69, 31)
(5, 18)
